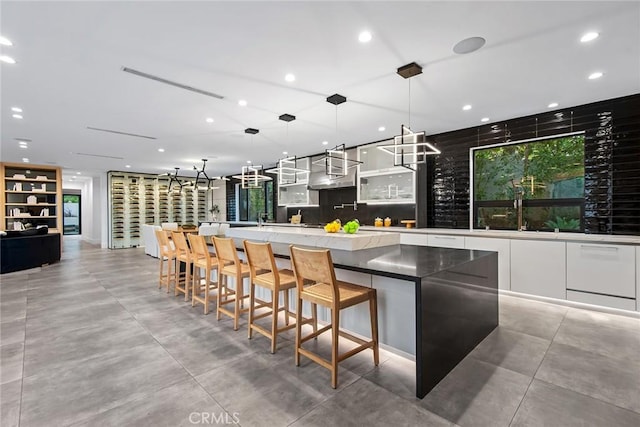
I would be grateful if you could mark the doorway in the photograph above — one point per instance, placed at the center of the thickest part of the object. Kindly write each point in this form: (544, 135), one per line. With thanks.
(72, 214)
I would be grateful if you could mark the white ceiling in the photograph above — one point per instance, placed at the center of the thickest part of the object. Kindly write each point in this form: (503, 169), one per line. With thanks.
(70, 54)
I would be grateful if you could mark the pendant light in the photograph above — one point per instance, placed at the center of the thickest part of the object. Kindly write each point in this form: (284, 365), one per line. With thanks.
(409, 149)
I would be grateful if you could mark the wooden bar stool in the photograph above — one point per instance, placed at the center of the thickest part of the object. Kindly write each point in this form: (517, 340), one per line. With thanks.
(183, 254)
(202, 259)
(230, 266)
(316, 268)
(264, 273)
(168, 254)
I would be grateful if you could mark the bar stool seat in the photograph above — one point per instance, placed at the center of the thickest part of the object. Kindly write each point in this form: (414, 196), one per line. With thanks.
(264, 273)
(316, 283)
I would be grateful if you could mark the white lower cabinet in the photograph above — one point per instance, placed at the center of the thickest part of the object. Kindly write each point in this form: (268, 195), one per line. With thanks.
(538, 268)
(396, 313)
(602, 269)
(413, 239)
(502, 246)
(456, 242)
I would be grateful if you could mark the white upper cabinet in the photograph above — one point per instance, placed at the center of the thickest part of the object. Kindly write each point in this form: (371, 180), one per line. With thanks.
(380, 181)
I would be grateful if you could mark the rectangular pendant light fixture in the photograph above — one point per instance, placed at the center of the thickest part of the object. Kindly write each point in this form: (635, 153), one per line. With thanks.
(409, 149)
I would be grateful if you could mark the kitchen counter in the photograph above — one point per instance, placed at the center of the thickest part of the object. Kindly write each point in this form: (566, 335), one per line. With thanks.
(316, 237)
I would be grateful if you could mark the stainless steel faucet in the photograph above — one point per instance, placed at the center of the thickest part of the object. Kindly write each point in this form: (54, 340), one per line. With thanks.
(517, 204)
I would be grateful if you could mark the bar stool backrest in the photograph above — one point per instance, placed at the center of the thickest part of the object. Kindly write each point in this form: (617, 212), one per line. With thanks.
(198, 246)
(259, 257)
(181, 244)
(166, 250)
(225, 250)
(315, 266)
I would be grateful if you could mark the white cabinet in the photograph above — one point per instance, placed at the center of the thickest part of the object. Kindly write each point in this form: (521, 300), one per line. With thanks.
(604, 300)
(293, 191)
(602, 269)
(637, 278)
(380, 181)
(413, 239)
(456, 242)
(538, 268)
(503, 247)
(296, 195)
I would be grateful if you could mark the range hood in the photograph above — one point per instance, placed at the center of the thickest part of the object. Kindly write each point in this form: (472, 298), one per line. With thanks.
(319, 180)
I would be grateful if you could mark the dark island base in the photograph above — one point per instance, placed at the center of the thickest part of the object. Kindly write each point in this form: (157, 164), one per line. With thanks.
(457, 308)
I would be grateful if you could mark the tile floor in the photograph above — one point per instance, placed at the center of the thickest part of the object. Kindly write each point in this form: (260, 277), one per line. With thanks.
(92, 341)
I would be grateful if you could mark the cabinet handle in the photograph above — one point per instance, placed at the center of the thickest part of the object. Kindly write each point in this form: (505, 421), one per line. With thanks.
(444, 237)
(610, 248)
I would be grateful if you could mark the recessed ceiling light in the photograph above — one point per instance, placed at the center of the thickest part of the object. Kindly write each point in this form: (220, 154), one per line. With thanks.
(23, 146)
(484, 119)
(364, 152)
(290, 77)
(24, 159)
(285, 153)
(382, 129)
(553, 105)
(587, 37)
(249, 161)
(595, 75)
(17, 116)
(127, 166)
(469, 45)
(16, 109)
(364, 37)
(5, 41)
(161, 150)
(242, 103)
(467, 107)
(78, 173)
(7, 59)
(209, 120)
(325, 142)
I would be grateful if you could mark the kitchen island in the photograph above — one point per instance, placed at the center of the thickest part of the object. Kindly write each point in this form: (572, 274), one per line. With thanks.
(435, 304)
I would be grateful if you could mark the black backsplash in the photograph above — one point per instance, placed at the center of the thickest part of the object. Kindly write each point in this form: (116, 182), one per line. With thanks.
(612, 163)
(612, 171)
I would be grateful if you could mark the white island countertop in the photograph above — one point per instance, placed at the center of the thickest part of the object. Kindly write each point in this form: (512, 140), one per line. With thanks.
(316, 237)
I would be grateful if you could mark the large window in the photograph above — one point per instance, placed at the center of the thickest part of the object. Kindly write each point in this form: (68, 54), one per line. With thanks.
(547, 175)
(255, 201)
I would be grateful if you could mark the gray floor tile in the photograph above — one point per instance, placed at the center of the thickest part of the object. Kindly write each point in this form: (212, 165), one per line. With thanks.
(549, 405)
(12, 331)
(13, 308)
(11, 362)
(602, 333)
(182, 404)
(364, 403)
(10, 403)
(530, 317)
(397, 375)
(476, 393)
(614, 380)
(82, 345)
(512, 350)
(74, 317)
(269, 390)
(97, 386)
(205, 349)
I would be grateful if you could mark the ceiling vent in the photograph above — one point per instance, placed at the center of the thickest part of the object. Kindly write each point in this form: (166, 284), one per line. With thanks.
(121, 133)
(171, 83)
(99, 155)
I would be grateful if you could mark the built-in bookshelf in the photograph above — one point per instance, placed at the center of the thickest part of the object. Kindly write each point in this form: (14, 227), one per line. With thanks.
(31, 196)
